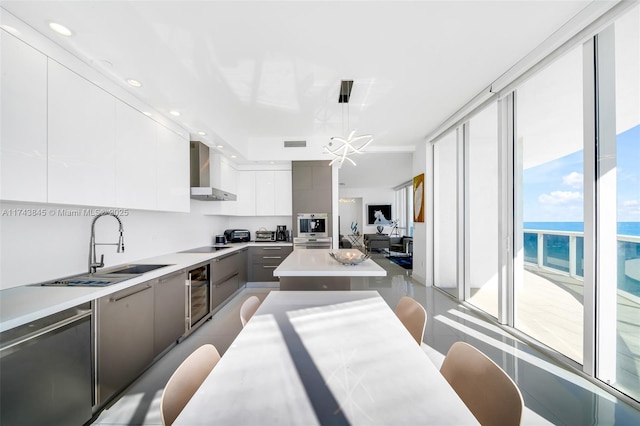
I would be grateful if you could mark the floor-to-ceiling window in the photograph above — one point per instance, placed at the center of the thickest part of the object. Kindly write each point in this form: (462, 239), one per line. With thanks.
(619, 233)
(446, 213)
(549, 139)
(482, 210)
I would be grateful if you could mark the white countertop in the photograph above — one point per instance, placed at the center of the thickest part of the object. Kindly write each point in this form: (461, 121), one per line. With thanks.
(318, 263)
(23, 304)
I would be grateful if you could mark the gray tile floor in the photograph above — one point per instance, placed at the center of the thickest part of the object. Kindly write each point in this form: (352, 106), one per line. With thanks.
(552, 394)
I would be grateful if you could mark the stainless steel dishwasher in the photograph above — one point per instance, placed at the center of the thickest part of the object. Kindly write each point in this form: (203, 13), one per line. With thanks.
(45, 370)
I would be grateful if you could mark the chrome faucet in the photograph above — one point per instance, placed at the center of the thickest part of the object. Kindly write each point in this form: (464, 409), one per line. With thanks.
(93, 264)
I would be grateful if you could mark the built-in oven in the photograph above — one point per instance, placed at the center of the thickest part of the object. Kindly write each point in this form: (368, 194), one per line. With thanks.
(315, 225)
(312, 243)
(198, 297)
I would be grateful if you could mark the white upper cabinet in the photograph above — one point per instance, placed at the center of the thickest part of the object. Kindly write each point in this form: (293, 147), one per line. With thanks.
(23, 137)
(283, 193)
(265, 193)
(136, 142)
(172, 171)
(81, 140)
(246, 203)
(273, 193)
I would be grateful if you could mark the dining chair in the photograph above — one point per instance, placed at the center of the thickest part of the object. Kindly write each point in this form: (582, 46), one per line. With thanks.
(248, 308)
(413, 316)
(186, 380)
(490, 394)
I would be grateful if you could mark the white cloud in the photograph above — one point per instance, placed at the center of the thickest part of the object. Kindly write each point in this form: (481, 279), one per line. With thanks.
(560, 197)
(630, 203)
(573, 179)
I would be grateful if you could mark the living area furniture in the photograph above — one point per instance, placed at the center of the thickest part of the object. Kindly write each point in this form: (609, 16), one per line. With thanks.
(376, 242)
(401, 245)
(330, 357)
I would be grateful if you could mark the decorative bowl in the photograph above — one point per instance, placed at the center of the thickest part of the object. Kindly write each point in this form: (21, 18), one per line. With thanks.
(349, 257)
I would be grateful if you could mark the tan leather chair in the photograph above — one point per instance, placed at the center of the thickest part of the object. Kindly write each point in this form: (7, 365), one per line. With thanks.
(490, 394)
(248, 308)
(186, 380)
(413, 316)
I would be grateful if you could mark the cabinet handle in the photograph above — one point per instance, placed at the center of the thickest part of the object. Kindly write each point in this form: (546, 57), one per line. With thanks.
(219, 283)
(272, 248)
(270, 266)
(117, 299)
(272, 257)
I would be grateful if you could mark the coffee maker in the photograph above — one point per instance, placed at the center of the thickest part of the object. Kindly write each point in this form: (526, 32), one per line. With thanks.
(281, 233)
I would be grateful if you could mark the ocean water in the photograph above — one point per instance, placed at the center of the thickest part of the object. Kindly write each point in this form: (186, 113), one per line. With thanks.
(556, 249)
(624, 228)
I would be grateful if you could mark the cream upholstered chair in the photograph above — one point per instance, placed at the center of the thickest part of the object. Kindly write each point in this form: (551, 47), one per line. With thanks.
(490, 394)
(248, 308)
(186, 380)
(413, 316)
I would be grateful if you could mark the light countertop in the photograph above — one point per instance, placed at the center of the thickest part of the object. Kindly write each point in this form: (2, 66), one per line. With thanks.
(318, 263)
(23, 304)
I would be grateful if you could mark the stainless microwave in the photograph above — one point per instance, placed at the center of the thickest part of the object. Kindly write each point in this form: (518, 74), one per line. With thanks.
(313, 224)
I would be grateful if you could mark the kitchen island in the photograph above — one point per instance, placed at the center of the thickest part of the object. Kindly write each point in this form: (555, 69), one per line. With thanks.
(317, 270)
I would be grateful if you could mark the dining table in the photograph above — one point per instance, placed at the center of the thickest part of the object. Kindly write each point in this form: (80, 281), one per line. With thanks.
(325, 358)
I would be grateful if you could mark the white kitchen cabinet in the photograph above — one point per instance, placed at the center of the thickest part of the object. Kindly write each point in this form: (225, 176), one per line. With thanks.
(273, 193)
(283, 193)
(172, 171)
(136, 142)
(23, 158)
(81, 146)
(265, 191)
(246, 202)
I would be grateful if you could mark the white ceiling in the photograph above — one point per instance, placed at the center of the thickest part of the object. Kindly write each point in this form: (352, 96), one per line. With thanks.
(253, 74)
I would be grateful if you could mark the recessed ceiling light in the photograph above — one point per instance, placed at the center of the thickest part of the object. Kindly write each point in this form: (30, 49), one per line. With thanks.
(174, 113)
(147, 113)
(233, 156)
(60, 29)
(134, 83)
(219, 146)
(271, 162)
(202, 133)
(10, 29)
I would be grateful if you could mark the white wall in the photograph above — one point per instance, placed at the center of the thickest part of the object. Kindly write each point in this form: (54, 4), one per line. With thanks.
(39, 248)
(350, 210)
(370, 196)
(423, 231)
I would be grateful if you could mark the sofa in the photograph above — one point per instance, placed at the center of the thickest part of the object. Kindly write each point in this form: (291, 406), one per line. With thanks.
(376, 242)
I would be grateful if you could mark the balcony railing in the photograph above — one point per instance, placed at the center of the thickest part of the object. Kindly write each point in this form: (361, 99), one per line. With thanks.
(563, 251)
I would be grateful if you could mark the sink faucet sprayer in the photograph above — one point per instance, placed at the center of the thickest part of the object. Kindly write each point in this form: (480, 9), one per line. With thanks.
(93, 264)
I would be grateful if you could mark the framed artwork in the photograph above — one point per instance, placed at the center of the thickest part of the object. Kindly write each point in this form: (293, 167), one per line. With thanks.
(379, 214)
(418, 198)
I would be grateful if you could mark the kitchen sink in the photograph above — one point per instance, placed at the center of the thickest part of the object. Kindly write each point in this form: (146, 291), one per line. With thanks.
(103, 278)
(90, 280)
(133, 269)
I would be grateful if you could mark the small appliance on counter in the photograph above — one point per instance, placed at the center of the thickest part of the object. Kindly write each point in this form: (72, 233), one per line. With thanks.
(220, 239)
(237, 235)
(263, 235)
(281, 233)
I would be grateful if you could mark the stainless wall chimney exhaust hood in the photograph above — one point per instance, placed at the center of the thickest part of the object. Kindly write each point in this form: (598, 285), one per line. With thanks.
(201, 176)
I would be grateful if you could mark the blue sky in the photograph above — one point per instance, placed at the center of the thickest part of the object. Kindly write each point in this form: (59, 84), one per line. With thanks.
(553, 191)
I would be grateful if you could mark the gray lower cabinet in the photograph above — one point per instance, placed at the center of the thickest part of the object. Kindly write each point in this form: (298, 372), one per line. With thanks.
(243, 265)
(169, 310)
(264, 259)
(225, 276)
(125, 338)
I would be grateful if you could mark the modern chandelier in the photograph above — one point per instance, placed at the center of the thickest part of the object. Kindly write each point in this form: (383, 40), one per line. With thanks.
(352, 144)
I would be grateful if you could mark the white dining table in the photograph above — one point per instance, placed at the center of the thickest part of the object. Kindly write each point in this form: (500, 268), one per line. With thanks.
(325, 357)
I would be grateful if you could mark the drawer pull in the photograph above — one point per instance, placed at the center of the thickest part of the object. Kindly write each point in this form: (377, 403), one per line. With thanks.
(269, 266)
(272, 257)
(272, 248)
